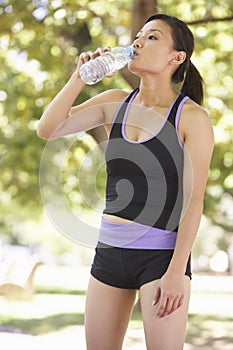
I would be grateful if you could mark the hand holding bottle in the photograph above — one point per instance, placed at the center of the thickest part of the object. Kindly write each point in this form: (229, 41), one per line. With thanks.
(93, 67)
(89, 55)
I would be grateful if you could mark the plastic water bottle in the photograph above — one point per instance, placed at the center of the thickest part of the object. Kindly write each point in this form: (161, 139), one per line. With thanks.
(95, 70)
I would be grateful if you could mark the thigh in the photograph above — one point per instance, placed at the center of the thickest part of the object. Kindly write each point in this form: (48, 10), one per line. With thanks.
(167, 333)
(107, 314)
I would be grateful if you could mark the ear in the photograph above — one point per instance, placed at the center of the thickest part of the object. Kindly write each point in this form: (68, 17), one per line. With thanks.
(178, 58)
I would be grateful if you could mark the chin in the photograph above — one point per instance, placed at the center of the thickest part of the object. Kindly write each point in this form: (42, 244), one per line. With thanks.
(135, 70)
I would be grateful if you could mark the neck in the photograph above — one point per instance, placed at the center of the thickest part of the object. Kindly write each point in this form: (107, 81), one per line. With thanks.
(156, 93)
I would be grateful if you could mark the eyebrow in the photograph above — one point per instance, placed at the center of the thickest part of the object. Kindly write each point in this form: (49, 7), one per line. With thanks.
(153, 30)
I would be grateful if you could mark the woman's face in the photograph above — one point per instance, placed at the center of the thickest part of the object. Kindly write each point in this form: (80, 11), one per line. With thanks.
(153, 48)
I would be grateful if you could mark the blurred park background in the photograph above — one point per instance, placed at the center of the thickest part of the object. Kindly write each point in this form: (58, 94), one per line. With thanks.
(44, 274)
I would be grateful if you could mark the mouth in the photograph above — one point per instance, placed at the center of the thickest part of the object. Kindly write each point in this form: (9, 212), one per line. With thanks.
(135, 54)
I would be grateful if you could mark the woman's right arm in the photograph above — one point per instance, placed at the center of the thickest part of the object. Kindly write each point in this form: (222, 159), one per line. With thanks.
(58, 110)
(60, 118)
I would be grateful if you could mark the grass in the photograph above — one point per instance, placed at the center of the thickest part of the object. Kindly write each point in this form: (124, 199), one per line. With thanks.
(40, 326)
(204, 331)
(211, 331)
(55, 307)
(57, 290)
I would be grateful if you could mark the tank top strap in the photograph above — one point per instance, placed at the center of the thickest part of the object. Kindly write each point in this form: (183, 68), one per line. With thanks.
(123, 106)
(176, 108)
(120, 113)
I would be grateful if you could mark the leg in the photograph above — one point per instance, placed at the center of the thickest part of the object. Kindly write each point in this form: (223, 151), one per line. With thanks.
(108, 310)
(167, 333)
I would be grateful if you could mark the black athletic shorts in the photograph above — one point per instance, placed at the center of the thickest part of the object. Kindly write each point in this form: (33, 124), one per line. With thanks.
(131, 268)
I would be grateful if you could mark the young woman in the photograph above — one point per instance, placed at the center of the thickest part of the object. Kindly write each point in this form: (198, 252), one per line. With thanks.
(158, 156)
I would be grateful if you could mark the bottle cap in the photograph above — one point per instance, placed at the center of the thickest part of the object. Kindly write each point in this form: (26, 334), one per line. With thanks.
(130, 51)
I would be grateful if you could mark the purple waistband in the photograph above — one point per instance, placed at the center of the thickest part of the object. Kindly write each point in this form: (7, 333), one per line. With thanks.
(136, 236)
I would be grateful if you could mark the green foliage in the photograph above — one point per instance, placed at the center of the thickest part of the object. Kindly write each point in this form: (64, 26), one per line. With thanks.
(39, 44)
(215, 60)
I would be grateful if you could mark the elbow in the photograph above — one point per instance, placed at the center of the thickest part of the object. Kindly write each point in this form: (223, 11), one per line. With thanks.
(42, 134)
(46, 135)
(47, 132)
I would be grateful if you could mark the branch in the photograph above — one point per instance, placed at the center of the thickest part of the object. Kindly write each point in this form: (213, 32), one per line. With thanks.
(210, 19)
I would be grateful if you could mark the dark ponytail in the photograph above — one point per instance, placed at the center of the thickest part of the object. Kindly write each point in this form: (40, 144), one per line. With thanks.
(186, 73)
(193, 84)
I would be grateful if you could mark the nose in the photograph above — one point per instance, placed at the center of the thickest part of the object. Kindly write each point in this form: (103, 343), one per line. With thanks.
(137, 43)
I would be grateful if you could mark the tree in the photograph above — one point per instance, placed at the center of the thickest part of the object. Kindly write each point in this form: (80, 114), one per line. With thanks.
(39, 44)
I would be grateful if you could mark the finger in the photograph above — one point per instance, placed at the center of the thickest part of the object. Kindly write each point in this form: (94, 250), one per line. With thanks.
(98, 52)
(181, 301)
(89, 55)
(175, 306)
(178, 302)
(85, 56)
(107, 48)
(111, 75)
(169, 307)
(162, 307)
(157, 297)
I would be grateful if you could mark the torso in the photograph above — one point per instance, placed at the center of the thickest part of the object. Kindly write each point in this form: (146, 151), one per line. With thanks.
(138, 129)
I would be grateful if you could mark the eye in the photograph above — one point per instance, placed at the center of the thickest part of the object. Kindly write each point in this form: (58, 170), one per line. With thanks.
(152, 37)
(136, 37)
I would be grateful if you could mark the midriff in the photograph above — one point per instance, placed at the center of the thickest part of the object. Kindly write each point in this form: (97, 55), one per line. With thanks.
(116, 219)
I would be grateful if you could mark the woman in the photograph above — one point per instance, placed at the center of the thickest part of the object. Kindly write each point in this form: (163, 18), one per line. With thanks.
(174, 130)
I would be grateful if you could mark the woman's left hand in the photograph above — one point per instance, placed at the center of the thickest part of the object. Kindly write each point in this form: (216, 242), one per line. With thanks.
(169, 295)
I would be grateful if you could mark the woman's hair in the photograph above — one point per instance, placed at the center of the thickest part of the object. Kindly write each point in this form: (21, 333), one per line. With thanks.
(187, 73)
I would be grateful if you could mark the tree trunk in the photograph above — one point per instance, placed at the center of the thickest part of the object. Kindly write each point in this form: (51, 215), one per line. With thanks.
(142, 10)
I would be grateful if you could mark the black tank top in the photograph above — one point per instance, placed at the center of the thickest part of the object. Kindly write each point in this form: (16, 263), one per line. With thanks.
(145, 179)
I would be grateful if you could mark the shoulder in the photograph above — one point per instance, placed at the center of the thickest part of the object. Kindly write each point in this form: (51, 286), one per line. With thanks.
(113, 95)
(111, 100)
(195, 120)
(192, 111)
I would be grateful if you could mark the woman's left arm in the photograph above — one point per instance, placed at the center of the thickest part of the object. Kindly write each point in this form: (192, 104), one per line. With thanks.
(198, 148)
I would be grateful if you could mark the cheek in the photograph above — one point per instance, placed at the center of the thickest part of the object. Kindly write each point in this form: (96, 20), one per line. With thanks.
(160, 58)
(153, 62)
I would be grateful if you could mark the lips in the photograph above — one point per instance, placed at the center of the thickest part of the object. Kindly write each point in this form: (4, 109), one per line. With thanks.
(135, 54)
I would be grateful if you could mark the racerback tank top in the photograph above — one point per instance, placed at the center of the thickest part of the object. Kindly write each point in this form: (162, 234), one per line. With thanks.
(145, 179)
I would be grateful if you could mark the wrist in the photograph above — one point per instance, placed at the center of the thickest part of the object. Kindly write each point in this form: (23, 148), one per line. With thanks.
(76, 79)
(177, 268)
(176, 271)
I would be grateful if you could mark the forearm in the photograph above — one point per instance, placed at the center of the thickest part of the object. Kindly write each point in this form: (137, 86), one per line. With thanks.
(58, 110)
(187, 232)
